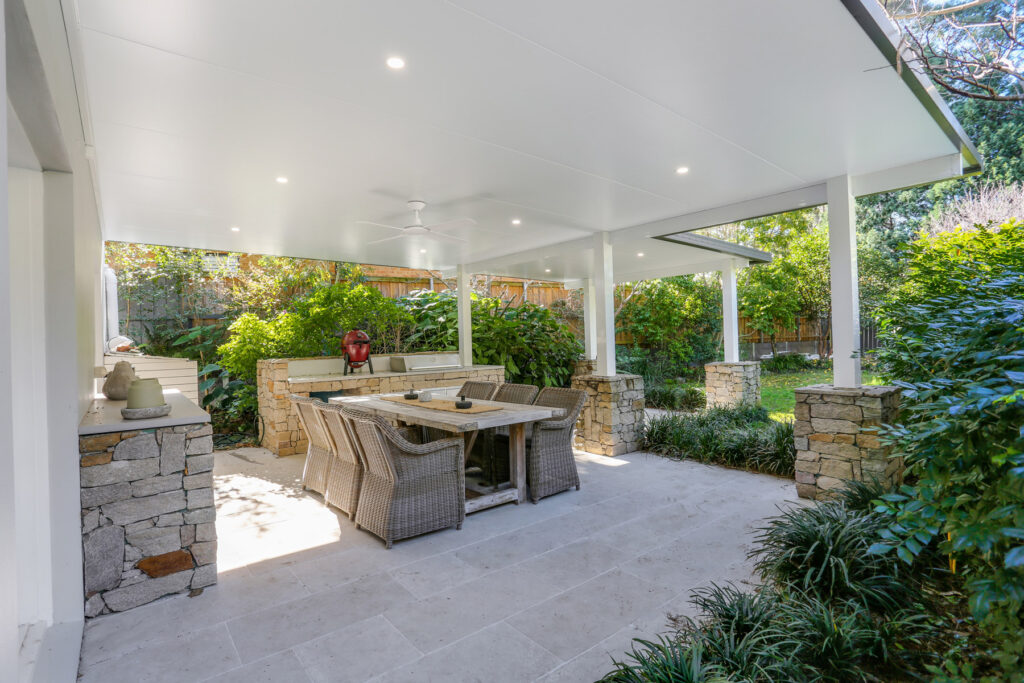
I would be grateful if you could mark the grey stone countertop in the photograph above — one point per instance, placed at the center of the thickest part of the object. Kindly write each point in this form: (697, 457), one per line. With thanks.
(334, 377)
(104, 415)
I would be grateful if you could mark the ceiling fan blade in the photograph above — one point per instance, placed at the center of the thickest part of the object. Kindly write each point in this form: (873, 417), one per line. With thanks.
(452, 225)
(442, 236)
(386, 239)
(379, 225)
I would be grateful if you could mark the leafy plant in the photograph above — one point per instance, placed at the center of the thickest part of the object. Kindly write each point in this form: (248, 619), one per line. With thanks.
(791, 362)
(741, 436)
(674, 397)
(823, 549)
(665, 661)
(961, 357)
(676, 317)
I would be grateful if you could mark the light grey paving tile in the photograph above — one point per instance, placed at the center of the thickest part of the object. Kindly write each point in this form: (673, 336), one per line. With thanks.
(283, 666)
(324, 573)
(572, 564)
(188, 657)
(237, 592)
(356, 653)
(514, 546)
(442, 619)
(690, 559)
(288, 624)
(593, 664)
(572, 622)
(435, 574)
(655, 528)
(497, 654)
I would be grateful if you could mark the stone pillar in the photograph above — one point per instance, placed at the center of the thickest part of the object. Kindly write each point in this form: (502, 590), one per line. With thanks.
(148, 520)
(279, 425)
(730, 384)
(835, 439)
(584, 366)
(611, 422)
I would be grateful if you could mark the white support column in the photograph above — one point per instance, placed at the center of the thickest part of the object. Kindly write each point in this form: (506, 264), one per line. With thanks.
(730, 314)
(589, 319)
(465, 312)
(842, 244)
(604, 304)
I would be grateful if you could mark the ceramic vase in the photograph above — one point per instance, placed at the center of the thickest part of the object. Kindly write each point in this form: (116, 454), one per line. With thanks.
(145, 393)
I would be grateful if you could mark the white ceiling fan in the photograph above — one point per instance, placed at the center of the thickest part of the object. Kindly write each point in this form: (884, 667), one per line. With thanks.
(417, 227)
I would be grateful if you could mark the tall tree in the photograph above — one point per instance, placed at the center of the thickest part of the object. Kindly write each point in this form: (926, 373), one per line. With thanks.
(972, 48)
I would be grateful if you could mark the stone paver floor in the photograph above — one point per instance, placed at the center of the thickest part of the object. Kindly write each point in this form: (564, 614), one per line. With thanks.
(546, 592)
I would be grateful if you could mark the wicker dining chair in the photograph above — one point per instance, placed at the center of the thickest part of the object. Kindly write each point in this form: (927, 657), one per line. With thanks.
(318, 452)
(494, 460)
(346, 473)
(472, 390)
(408, 489)
(550, 465)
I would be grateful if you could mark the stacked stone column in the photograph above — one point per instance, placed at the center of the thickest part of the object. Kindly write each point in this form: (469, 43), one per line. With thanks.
(837, 440)
(148, 520)
(612, 419)
(730, 384)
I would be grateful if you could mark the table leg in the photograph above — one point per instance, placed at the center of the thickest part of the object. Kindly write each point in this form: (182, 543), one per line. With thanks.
(470, 438)
(517, 458)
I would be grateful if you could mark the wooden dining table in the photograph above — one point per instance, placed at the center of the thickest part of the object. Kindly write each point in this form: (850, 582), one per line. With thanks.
(515, 416)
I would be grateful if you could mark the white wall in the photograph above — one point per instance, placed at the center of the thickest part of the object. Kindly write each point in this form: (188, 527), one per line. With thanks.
(28, 379)
(49, 317)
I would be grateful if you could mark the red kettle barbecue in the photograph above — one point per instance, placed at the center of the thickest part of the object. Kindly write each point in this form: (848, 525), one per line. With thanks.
(356, 345)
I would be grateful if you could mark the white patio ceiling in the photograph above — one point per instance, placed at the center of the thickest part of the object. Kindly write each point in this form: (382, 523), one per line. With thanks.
(570, 116)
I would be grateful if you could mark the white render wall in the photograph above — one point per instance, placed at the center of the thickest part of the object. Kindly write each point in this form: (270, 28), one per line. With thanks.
(51, 250)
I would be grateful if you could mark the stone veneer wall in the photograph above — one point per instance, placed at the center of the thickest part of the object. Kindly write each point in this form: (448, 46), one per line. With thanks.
(836, 441)
(730, 384)
(147, 515)
(612, 419)
(281, 432)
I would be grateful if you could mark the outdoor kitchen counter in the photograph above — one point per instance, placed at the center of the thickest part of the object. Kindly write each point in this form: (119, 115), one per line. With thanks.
(104, 415)
(448, 371)
(148, 516)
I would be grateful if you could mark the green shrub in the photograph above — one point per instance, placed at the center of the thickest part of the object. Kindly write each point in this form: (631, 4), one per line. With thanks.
(960, 359)
(676, 317)
(741, 436)
(823, 550)
(791, 362)
(656, 367)
(674, 397)
(528, 340)
(665, 661)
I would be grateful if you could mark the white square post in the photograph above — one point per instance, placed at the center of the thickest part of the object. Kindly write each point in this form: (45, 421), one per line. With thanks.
(464, 301)
(589, 322)
(730, 314)
(842, 245)
(604, 304)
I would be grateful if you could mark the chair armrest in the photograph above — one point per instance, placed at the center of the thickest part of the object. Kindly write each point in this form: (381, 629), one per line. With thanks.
(556, 422)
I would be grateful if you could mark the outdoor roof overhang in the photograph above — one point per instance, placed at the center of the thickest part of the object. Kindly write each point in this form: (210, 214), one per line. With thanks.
(571, 117)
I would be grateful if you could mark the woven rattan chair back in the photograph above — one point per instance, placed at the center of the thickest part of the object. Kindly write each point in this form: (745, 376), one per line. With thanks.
(481, 391)
(367, 430)
(516, 393)
(346, 473)
(319, 451)
(571, 400)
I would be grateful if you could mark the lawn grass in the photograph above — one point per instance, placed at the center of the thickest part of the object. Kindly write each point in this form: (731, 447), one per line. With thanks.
(777, 389)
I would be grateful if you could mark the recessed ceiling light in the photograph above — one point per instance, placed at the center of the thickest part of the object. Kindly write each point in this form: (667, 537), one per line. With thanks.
(235, 228)
(547, 270)
(682, 170)
(516, 221)
(423, 251)
(395, 63)
(281, 179)
(640, 253)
